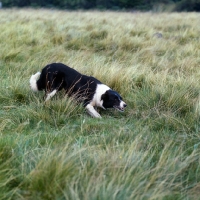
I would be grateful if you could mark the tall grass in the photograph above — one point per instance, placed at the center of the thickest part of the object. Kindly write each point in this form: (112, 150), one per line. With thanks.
(57, 151)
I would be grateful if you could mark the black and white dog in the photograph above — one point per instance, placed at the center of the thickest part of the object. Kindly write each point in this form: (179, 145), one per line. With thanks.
(87, 89)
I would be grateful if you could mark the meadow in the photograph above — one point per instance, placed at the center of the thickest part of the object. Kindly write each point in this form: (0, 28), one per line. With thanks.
(57, 151)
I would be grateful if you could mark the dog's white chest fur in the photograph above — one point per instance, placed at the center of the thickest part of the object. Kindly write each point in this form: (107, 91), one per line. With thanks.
(96, 101)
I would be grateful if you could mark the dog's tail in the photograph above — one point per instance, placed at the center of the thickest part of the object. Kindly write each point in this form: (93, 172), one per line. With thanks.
(33, 81)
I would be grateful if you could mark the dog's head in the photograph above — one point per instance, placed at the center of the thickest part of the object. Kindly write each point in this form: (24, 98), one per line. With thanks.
(111, 99)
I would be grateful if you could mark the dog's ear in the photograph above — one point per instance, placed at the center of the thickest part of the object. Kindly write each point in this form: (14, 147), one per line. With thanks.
(105, 96)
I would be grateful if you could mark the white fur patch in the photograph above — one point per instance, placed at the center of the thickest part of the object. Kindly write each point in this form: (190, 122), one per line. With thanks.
(122, 103)
(96, 101)
(50, 95)
(90, 109)
(33, 81)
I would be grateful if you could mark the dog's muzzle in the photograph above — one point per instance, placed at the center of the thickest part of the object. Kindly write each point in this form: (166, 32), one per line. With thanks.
(121, 106)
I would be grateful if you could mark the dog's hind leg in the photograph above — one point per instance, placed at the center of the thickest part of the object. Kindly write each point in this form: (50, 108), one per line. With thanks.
(92, 111)
(50, 95)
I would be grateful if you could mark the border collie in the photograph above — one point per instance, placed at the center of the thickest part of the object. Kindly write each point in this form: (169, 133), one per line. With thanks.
(86, 89)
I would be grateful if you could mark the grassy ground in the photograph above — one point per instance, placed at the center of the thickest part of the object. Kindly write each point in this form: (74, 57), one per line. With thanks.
(56, 151)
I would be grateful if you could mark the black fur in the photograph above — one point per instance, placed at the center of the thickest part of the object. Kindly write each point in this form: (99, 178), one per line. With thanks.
(59, 76)
(111, 99)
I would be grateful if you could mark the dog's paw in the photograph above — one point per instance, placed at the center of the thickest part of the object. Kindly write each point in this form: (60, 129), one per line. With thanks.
(97, 115)
(90, 109)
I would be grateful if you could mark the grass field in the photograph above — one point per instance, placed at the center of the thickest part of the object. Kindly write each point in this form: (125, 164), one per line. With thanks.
(57, 151)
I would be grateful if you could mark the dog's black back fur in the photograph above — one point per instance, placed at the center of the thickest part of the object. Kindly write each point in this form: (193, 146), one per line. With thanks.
(59, 76)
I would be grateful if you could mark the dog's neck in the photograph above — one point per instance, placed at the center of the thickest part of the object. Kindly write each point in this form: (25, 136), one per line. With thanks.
(100, 90)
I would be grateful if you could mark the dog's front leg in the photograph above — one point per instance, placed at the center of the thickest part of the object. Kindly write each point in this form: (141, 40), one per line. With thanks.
(92, 111)
(50, 95)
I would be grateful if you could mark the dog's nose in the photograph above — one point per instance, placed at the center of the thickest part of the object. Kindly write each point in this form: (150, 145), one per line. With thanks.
(125, 105)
